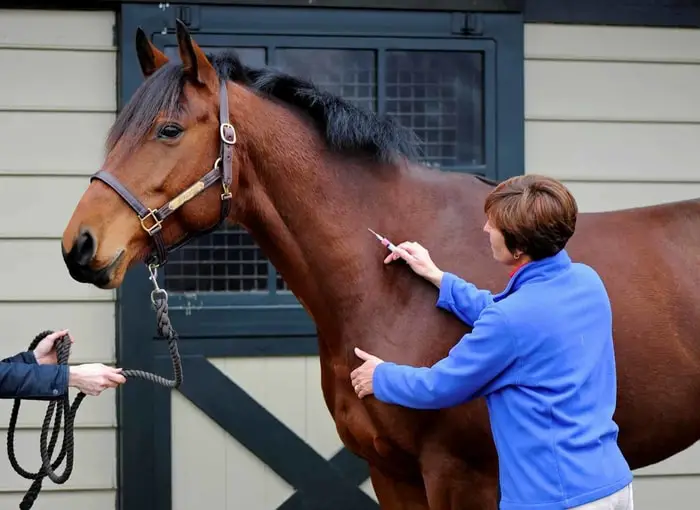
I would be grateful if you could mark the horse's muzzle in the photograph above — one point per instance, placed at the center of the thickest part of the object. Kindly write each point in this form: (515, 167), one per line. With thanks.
(80, 258)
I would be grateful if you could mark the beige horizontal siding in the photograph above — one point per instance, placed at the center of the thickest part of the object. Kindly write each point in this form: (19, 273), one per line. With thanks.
(94, 464)
(666, 493)
(612, 43)
(63, 143)
(58, 98)
(611, 91)
(95, 412)
(24, 198)
(599, 151)
(612, 112)
(686, 462)
(72, 30)
(73, 500)
(58, 80)
(33, 270)
(91, 324)
(608, 196)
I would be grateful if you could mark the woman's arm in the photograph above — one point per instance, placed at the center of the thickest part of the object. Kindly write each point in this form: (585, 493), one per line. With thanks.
(462, 298)
(32, 381)
(482, 362)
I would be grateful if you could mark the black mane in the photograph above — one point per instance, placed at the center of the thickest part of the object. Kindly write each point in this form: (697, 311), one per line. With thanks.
(345, 127)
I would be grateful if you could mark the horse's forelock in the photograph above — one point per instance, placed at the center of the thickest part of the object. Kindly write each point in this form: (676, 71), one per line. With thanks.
(160, 94)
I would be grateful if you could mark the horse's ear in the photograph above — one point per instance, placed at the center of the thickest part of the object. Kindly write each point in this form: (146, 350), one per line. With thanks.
(150, 57)
(195, 63)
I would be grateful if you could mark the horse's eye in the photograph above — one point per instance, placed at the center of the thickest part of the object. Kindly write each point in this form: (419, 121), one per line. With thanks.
(169, 131)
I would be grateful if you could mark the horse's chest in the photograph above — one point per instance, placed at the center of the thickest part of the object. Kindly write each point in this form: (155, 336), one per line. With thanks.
(367, 434)
(355, 427)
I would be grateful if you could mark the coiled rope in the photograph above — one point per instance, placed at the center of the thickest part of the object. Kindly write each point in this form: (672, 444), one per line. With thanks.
(63, 408)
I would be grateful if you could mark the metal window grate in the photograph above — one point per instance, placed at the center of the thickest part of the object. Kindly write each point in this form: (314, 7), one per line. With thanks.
(227, 260)
(439, 95)
(350, 74)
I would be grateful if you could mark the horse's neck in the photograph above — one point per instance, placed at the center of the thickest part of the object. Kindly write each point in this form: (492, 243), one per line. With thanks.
(312, 222)
(329, 259)
(310, 214)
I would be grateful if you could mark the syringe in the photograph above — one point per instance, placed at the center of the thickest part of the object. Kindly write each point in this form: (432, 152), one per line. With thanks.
(383, 240)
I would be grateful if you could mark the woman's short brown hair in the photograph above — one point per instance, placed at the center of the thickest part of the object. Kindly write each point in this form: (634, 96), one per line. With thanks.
(536, 214)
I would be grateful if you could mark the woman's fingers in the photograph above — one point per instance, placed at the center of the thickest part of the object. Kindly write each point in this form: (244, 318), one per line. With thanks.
(404, 254)
(410, 251)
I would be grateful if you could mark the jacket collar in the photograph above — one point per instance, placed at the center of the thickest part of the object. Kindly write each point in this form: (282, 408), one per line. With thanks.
(536, 270)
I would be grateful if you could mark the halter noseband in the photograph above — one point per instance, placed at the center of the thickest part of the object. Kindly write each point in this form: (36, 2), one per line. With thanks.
(152, 219)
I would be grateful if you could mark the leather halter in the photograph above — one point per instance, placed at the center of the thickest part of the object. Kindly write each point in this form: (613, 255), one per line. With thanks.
(152, 219)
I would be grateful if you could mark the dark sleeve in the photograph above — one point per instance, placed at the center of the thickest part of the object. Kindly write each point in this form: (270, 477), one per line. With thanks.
(22, 357)
(31, 381)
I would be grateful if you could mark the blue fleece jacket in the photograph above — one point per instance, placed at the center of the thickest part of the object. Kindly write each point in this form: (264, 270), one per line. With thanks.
(541, 353)
(22, 377)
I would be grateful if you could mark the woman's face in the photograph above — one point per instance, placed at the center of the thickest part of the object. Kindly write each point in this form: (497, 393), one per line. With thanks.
(498, 246)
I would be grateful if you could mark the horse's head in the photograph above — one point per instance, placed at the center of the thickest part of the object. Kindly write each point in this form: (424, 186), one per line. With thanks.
(171, 171)
(178, 165)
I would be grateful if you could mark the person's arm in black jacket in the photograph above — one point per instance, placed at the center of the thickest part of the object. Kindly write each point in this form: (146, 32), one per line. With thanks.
(22, 377)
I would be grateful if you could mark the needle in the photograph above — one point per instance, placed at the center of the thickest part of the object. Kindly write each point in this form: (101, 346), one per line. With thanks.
(383, 240)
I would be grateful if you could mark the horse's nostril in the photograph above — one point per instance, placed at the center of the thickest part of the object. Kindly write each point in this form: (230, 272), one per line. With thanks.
(85, 247)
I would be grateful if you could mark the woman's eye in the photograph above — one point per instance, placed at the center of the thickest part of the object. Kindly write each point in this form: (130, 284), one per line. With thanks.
(169, 131)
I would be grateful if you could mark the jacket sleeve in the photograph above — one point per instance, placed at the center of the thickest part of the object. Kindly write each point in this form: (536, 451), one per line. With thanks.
(22, 377)
(22, 357)
(462, 298)
(481, 362)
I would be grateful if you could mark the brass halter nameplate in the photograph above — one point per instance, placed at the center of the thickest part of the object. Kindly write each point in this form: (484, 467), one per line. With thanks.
(186, 195)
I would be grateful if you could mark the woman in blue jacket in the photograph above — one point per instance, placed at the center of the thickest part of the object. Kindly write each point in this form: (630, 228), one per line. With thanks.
(34, 375)
(540, 352)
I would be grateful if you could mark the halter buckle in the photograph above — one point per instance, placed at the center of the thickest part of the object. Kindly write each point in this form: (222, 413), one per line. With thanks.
(157, 224)
(223, 135)
(226, 195)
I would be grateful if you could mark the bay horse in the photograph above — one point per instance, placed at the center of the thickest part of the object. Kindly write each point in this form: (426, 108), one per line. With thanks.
(306, 173)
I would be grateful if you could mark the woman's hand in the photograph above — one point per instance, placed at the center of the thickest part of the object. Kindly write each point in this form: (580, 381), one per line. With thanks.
(361, 378)
(419, 259)
(45, 351)
(94, 378)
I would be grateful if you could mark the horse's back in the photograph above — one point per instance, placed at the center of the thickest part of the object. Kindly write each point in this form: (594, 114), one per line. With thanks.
(647, 258)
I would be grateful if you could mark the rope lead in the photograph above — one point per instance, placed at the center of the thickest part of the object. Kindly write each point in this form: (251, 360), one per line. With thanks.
(64, 409)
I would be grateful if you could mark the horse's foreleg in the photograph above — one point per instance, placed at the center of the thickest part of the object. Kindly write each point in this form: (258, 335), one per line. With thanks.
(397, 494)
(452, 485)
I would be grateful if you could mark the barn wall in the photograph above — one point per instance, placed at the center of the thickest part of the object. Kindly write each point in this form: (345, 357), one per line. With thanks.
(613, 112)
(57, 100)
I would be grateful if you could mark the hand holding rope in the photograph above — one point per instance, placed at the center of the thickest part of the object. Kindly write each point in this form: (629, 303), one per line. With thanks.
(64, 409)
